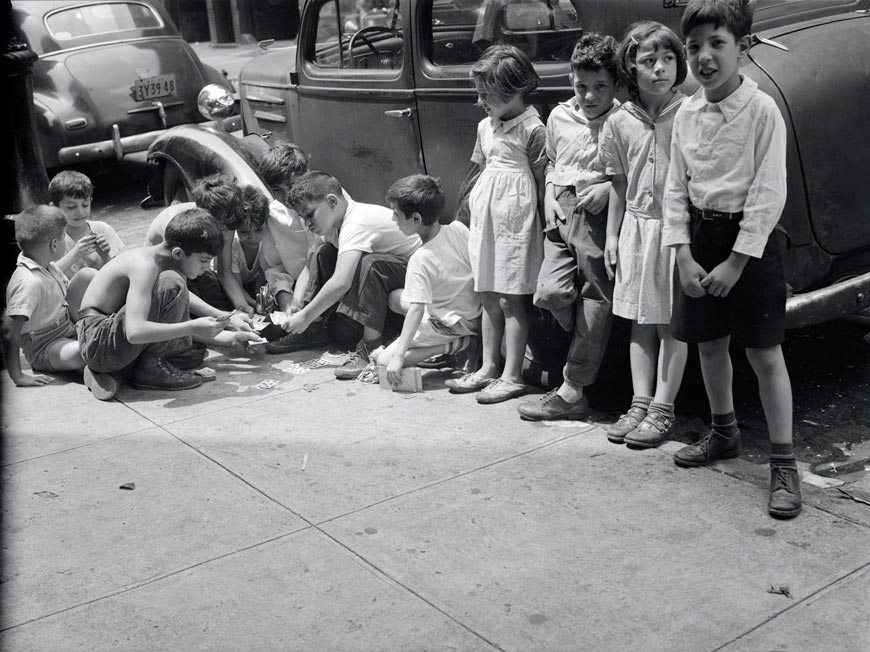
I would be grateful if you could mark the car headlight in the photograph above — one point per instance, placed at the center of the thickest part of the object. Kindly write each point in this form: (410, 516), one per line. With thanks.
(215, 102)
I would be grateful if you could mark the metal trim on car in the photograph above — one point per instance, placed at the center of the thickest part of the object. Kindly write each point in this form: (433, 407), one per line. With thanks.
(165, 37)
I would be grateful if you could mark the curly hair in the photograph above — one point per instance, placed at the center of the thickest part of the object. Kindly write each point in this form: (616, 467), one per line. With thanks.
(505, 71)
(220, 196)
(660, 37)
(418, 193)
(595, 51)
(734, 15)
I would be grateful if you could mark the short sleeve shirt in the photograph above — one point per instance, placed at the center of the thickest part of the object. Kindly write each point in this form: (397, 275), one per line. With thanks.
(370, 228)
(94, 259)
(439, 275)
(572, 146)
(36, 293)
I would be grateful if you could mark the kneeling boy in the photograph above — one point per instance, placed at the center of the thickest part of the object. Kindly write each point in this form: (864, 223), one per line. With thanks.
(134, 314)
(442, 309)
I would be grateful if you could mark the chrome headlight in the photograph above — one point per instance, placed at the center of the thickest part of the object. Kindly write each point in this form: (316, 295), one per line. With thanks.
(215, 102)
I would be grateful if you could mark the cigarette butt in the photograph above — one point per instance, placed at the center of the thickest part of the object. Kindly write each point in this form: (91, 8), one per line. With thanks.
(304, 461)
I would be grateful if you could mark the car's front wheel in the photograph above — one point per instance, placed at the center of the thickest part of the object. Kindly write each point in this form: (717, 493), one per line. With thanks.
(174, 189)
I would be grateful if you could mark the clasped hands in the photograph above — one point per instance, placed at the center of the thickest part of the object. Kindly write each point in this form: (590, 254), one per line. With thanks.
(697, 282)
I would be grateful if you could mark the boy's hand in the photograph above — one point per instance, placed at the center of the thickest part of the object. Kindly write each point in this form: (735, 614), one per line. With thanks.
(296, 323)
(240, 321)
(244, 338)
(84, 247)
(102, 246)
(723, 277)
(610, 249)
(691, 274)
(207, 327)
(594, 199)
(394, 370)
(37, 380)
(553, 212)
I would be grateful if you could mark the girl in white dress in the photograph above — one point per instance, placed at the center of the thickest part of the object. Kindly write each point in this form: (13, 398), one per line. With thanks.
(635, 148)
(506, 233)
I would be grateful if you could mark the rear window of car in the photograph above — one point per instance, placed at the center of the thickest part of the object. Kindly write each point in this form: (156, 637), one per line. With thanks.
(94, 20)
(546, 30)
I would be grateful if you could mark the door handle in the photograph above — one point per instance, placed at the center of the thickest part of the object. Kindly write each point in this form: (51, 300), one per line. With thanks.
(400, 113)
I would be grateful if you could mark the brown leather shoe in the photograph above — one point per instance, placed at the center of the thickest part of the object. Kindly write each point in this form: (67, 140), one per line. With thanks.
(157, 373)
(655, 428)
(785, 492)
(713, 446)
(551, 407)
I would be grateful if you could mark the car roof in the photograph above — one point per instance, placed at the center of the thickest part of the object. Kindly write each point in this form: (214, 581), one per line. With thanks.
(28, 24)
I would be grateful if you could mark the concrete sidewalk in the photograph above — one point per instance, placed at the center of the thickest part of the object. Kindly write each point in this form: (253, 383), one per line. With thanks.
(322, 515)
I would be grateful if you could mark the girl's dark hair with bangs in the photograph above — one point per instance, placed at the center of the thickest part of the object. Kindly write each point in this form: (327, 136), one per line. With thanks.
(505, 71)
(734, 15)
(595, 51)
(662, 37)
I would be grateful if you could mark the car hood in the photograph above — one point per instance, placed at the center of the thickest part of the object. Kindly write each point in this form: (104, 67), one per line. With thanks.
(100, 81)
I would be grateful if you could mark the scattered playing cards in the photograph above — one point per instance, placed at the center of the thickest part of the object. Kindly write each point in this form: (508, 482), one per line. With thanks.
(266, 384)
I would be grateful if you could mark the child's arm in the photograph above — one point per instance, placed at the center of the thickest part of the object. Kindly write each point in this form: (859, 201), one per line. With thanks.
(12, 352)
(615, 215)
(229, 282)
(765, 200)
(332, 291)
(400, 347)
(109, 244)
(139, 330)
(82, 248)
(552, 211)
(595, 197)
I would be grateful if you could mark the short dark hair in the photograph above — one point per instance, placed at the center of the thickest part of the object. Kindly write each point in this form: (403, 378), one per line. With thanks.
(69, 183)
(314, 186)
(418, 193)
(661, 37)
(195, 231)
(505, 71)
(219, 195)
(594, 52)
(255, 207)
(284, 161)
(734, 15)
(37, 225)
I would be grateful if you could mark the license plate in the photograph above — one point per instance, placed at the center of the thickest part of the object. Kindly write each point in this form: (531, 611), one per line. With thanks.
(148, 89)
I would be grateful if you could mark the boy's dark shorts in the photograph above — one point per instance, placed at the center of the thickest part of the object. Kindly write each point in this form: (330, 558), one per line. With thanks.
(753, 313)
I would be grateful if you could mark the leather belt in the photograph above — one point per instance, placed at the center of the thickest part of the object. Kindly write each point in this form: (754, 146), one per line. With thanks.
(706, 214)
(90, 312)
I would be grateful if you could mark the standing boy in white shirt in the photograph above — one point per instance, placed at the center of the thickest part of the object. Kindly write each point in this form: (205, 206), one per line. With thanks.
(724, 195)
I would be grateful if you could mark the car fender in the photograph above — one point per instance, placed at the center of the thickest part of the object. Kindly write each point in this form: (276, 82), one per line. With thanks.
(190, 152)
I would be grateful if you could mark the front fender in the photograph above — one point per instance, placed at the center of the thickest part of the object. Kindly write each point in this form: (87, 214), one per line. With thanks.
(195, 152)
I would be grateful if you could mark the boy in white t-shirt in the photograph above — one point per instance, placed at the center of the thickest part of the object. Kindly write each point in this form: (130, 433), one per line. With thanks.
(370, 259)
(442, 310)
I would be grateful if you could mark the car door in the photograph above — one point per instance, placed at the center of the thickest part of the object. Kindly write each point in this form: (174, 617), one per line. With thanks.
(355, 94)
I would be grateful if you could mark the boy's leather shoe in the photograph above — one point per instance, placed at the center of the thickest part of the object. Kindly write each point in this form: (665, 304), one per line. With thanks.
(655, 428)
(189, 358)
(102, 386)
(627, 422)
(785, 492)
(357, 363)
(551, 407)
(157, 373)
(713, 446)
(311, 338)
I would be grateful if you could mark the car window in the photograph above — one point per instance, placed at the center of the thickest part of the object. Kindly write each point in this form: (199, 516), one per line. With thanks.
(92, 20)
(462, 29)
(362, 34)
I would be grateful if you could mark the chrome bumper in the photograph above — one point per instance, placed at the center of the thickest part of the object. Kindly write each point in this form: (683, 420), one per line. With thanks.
(118, 147)
(828, 303)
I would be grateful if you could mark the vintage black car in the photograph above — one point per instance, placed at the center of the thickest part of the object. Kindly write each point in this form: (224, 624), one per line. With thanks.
(111, 76)
(379, 92)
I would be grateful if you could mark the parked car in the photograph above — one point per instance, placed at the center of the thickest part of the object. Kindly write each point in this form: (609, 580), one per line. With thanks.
(111, 77)
(374, 101)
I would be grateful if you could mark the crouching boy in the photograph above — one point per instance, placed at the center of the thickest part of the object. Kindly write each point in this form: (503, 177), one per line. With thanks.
(442, 310)
(40, 303)
(724, 195)
(370, 259)
(134, 314)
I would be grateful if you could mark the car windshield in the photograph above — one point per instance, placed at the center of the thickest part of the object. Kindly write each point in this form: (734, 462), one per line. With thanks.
(107, 18)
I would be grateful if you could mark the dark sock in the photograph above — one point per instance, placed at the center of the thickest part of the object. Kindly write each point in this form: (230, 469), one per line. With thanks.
(782, 454)
(725, 424)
